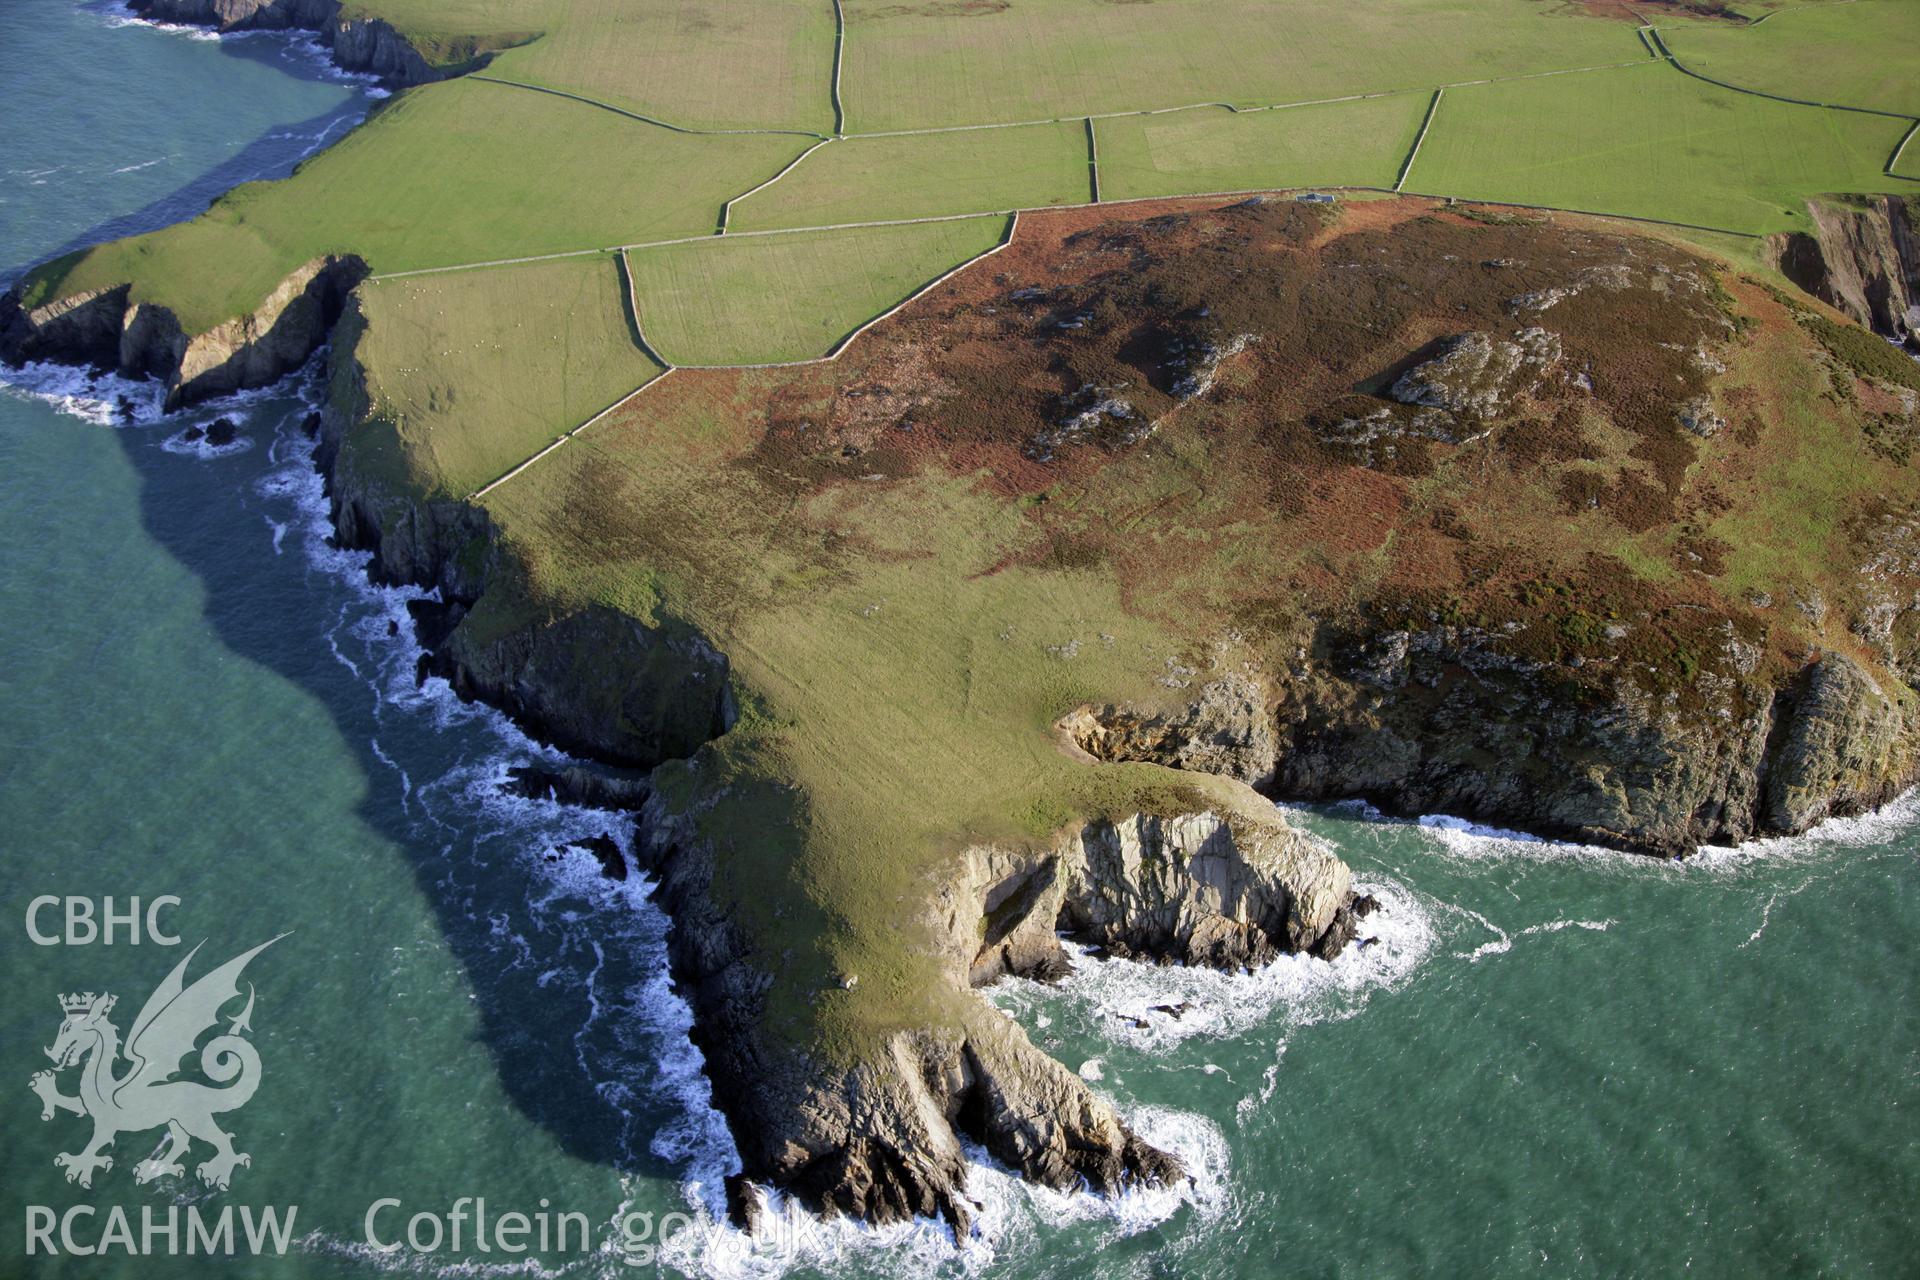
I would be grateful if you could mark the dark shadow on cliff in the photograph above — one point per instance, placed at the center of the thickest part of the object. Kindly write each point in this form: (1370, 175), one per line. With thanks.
(531, 1027)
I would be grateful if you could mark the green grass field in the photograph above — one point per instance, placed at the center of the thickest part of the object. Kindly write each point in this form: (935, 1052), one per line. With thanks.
(1862, 54)
(762, 299)
(1650, 143)
(1346, 143)
(475, 370)
(451, 173)
(931, 65)
(894, 669)
(711, 64)
(925, 175)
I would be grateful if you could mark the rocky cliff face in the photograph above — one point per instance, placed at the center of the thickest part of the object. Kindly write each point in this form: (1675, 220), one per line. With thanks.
(365, 45)
(1864, 260)
(107, 330)
(1441, 720)
(880, 1140)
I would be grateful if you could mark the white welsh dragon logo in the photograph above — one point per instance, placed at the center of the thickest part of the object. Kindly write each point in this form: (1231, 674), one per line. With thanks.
(146, 1095)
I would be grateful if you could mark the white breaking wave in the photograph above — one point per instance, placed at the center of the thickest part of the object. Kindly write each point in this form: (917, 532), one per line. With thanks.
(300, 46)
(1472, 841)
(1126, 998)
(103, 399)
(1013, 1218)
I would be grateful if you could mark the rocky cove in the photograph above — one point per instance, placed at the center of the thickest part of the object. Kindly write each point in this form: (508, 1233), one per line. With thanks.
(1412, 706)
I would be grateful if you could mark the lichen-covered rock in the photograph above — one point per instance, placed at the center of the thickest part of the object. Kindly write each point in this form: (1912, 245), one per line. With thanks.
(1697, 415)
(1447, 720)
(366, 45)
(879, 1139)
(1863, 261)
(1223, 889)
(1201, 888)
(140, 339)
(1229, 731)
(1477, 375)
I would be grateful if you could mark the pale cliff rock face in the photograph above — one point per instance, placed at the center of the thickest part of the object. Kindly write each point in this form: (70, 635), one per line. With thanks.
(105, 329)
(1440, 721)
(1862, 261)
(1229, 730)
(1221, 890)
(881, 1140)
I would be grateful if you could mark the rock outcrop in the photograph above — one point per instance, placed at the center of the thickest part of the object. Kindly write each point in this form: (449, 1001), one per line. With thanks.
(597, 682)
(880, 1140)
(1476, 375)
(366, 45)
(1442, 720)
(108, 330)
(1863, 260)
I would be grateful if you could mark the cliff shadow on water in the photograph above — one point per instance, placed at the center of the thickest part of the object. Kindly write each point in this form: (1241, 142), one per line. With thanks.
(530, 1026)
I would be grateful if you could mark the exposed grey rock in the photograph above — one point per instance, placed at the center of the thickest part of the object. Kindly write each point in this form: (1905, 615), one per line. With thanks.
(1091, 415)
(1477, 375)
(576, 785)
(1443, 721)
(1847, 747)
(1697, 415)
(145, 340)
(1201, 889)
(1229, 730)
(1374, 438)
(1864, 262)
(597, 682)
(879, 1140)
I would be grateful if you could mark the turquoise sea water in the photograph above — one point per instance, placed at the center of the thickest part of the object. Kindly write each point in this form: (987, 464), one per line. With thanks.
(1550, 1063)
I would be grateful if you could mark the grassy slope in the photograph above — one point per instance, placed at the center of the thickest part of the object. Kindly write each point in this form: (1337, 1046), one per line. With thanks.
(1862, 54)
(759, 299)
(449, 173)
(925, 175)
(476, 370)
(711, 64)
(904, 692)
(1347, 143)
(944, 64)
(1648, 142)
